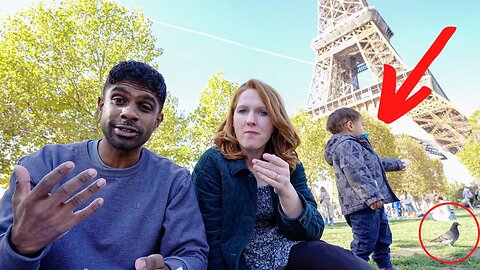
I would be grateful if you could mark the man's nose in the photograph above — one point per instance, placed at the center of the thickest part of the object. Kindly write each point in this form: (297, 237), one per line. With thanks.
(129, 112)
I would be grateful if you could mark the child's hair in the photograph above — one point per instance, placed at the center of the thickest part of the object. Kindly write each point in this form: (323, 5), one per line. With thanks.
(337, 119)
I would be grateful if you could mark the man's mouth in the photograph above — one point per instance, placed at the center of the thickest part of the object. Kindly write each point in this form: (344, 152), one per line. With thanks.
(125, 131)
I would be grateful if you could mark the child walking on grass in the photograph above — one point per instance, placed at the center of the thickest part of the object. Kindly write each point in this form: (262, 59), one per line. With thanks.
(362, 185)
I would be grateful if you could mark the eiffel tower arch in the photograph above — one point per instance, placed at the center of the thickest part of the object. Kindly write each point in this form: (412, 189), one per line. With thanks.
(353, 38)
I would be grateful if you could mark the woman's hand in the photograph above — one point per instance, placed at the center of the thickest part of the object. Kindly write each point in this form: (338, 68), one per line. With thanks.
(275, 172)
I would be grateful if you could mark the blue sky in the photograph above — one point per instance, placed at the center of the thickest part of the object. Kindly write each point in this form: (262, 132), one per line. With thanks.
(286, 28)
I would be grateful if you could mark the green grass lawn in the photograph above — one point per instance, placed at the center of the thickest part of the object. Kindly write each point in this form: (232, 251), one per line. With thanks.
(407, 253)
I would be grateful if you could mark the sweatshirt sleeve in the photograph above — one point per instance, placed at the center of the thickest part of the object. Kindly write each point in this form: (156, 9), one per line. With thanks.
(9, 258)
(184, 241)
(357, 174)
(392, 164)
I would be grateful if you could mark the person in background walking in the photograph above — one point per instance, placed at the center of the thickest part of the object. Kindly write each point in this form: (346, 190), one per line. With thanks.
(327, 206)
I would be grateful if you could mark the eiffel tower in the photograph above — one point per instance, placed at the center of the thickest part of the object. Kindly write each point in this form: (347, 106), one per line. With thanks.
(352, 38)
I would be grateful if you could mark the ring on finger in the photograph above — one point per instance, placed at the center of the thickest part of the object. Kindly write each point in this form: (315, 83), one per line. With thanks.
(278, 176)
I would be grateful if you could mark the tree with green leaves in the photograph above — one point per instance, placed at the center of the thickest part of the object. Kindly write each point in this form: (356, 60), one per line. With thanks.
(171, 137)
(54, 59)
(469, 155)
(314, 137)
(423, 173)
(214, 104)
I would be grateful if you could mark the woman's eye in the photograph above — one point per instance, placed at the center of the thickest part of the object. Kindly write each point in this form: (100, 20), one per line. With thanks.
(263, 113)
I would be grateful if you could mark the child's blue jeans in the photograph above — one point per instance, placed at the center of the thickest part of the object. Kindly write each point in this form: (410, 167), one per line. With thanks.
(371, 234)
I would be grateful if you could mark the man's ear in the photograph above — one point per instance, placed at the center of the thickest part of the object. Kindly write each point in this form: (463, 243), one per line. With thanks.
(159, 120)
(100, 103)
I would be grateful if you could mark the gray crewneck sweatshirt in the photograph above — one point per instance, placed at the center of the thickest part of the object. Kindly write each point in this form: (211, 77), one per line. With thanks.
(149, 208)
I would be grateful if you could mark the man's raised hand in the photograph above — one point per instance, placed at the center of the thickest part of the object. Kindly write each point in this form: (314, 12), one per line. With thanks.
(39, 217)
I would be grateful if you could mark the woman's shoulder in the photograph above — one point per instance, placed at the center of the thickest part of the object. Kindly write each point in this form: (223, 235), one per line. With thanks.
(210, 156)
(212, 152)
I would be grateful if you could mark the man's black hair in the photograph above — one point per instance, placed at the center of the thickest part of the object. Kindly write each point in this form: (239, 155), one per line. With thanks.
(140, 74)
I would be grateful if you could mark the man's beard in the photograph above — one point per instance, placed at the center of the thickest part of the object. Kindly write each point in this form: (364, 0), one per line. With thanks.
(125, 144)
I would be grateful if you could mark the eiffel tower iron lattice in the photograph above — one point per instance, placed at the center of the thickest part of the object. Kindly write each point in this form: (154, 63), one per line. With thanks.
(352, 38)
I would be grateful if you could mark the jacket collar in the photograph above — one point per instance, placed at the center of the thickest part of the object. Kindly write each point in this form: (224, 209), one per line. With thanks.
(236, 166)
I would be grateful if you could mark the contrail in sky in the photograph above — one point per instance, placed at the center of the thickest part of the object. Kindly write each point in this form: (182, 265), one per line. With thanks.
(233, 42)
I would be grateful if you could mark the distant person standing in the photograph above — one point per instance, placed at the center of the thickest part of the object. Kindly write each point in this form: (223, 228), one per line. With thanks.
(327, 206)
(407, 200)
(468, 197)
(397, 206)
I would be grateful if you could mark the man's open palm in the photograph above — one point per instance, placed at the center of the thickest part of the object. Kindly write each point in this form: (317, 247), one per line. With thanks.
(39, 217)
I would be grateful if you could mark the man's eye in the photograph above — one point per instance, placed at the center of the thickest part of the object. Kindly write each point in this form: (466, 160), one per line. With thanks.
(117, 100)
(146, 107)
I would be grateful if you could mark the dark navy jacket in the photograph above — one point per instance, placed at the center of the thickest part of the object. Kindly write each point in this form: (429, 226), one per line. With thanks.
(227, 195)
(359, 172)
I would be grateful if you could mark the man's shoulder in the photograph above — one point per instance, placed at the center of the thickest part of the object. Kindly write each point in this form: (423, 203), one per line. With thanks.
(50, 156)
(50, 150)
(64, 147)
(164, 163)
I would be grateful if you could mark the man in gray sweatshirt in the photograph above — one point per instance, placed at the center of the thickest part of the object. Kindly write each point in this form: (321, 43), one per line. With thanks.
(146, 217)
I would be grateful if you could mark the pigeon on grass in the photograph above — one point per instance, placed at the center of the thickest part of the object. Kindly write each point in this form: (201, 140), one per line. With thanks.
(450, 236)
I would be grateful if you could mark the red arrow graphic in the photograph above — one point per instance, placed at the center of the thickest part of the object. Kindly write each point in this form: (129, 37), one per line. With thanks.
(395, 104)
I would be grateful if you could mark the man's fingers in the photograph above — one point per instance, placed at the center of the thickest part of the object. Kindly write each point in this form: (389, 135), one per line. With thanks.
(154, 261)
(140, 264)
(86, 212)
(22, 184)
(85, 194)
(51, 179)
(70, 187)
